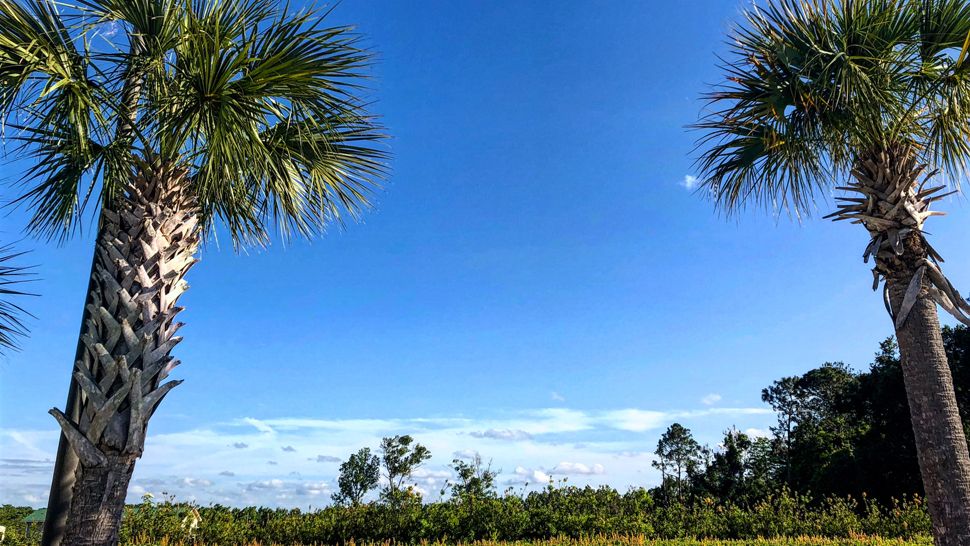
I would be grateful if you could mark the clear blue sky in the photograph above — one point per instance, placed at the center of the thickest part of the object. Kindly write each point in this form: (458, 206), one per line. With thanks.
(536, 283)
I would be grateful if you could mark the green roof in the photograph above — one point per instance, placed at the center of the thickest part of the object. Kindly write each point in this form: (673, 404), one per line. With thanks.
(37, 516)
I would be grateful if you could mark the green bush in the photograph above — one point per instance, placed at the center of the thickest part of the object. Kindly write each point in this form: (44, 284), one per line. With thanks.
(565, 512)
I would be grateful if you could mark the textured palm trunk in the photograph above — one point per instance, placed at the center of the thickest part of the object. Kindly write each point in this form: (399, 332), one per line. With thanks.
(147, 244)
(940, 442)
(893, 206)
(66, 462)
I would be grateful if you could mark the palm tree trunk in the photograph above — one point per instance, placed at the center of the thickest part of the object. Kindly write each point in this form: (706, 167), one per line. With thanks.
(65, 463)
(98, 502)
(940, 441)
(146, 246)
(893, 207)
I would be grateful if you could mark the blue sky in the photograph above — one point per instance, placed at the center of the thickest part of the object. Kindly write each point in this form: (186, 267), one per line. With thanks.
(536, 283)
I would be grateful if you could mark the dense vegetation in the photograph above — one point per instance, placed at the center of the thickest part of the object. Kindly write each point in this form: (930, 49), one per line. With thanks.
(623, 540)
(557, 511)
(840, 462)
(839, 432)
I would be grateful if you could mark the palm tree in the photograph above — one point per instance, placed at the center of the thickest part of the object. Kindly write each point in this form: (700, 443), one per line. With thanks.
(239, 115)
(873, 95)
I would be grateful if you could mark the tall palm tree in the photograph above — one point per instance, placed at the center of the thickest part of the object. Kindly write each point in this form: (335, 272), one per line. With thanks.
(869, 96)
(239, 115)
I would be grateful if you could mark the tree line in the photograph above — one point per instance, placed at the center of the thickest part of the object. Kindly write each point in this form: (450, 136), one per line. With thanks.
(839, 432)
(840, 459)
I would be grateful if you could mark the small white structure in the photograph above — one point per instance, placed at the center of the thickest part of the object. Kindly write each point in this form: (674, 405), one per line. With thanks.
(3, 532)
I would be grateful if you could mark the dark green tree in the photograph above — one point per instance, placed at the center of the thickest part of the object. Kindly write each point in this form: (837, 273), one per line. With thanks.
(817, 428)
(782, 398)
(358, 475)
(678, 457)
(725, 476)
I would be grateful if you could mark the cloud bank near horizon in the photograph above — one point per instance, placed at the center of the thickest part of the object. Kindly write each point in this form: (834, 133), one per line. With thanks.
(293, 461)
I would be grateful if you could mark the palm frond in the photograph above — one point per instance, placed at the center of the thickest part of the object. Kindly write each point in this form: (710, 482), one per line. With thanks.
(260, 102)
(811, 85)
(271, 121)
(12, 315)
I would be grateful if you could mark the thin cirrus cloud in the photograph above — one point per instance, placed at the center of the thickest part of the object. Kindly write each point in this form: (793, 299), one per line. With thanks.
(579, 469)
(711, 399)
(465, 454)
(595, 447)
(502, 434)
(326, 459)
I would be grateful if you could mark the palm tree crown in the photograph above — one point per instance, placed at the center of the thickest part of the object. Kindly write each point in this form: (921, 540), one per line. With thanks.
(812, 85)
(254, 101)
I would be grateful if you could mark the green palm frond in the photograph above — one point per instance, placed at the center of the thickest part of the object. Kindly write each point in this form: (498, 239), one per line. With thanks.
(809, 85)
(12, 315)
(261, 103)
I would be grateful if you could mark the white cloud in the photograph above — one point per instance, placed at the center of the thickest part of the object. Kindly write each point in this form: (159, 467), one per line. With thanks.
(312, 488)
(264, 484)
(326, 459)
(757, 432)
(635, 420)
(711, 399)
(226, 462)
(467, 454)
(110, 29)
(530, 476)
(578, 468)
(690, 182)
(259, 425)
(556, 397)
(502, 434)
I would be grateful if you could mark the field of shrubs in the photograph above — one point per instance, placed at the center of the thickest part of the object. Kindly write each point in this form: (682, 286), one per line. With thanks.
(553, 516)
(643, 541)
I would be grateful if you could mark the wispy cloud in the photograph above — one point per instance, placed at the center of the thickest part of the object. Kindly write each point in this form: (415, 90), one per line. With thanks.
(326, 459)
(465, 454)
(502, 434)
(259, 425)
(711, 399)
(110, 29)
(690, 182)
(578, 469)
(228, 462)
